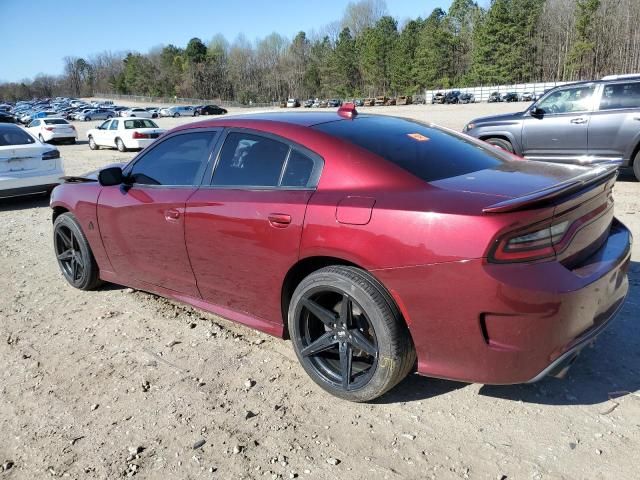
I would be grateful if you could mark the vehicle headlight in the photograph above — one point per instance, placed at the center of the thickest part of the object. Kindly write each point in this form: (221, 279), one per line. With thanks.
(469, 126)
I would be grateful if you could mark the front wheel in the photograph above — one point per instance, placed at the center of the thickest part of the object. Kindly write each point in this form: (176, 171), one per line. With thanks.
(348, 334)
(636, 165)
(74, 255)
(92, 144)
(501, 143)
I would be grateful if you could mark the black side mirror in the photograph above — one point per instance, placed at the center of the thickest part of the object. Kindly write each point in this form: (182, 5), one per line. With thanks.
(111, 176)
(536, 112)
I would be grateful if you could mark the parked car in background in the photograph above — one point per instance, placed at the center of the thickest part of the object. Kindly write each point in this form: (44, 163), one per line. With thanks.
(437, 98)
(403, 100)
(210, 110)
(467, 98)
(358, 102)
(7, 118)
(95, 114)
(292, 103)
(511, 97)
(308, 103)
(494, 97)
(584, 123)
(334, 102)
(380, 101)
(53, 129)
(27, 166)
(378, 245)
(138, 113)
(452, 97)
(390, 101)
(124, 134)
(528, 96)
(369, 102)
(178, 111)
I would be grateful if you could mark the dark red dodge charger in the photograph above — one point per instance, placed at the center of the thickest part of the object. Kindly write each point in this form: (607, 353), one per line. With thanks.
(378, 245)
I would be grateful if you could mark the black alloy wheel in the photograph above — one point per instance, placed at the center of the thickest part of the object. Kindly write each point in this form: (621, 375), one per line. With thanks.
(75, 259)
(348, 334)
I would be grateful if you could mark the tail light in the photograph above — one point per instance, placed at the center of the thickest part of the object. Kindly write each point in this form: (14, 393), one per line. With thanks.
(51, 154)
(50, 129)
(139, 135)
(541, 240)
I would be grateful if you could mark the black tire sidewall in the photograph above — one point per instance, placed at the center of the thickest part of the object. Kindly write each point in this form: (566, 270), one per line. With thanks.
(89, 277)
(636, 166)
(499, 142)
(381, 314)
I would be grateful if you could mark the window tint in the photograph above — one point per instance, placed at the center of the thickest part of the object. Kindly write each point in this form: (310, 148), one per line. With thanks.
(139, 123)
(105, 125)
(298, 171)
(11, 135)
(179, 160)
(250, 160)
(114, 125)
(56, 121)
(576, 99)
(621, 95)
(427, 152)
(35, 123)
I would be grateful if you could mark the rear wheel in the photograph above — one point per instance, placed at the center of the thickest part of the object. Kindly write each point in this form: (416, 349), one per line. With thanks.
(502, 143)
(120, 144)
(636, 165)
(41, 138)
(348, 334)
(176, 115)
(74, 255)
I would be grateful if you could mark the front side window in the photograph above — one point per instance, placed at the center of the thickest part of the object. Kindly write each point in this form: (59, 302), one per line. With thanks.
(568, 100)
(35, 123)
(105, 125)
(179, 160)
(620, 95)
(248, 160)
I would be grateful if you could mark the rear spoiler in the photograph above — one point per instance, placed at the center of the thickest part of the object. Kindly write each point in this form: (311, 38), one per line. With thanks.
(595, 176)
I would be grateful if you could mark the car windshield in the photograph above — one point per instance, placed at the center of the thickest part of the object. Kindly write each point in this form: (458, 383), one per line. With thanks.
(56, 121)
(139, 123)
(427, 152)
(14, 136)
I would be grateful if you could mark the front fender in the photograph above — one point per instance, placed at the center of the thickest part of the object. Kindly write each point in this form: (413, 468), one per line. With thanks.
(487, 132)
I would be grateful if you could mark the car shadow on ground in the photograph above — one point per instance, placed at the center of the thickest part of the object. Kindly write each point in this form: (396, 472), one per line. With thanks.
(24, 203)
(610, 369)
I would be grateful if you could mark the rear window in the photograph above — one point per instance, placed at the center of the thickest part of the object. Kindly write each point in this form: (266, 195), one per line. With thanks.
(139, 123)
(427, 152)
(14, 136)
(56, 121)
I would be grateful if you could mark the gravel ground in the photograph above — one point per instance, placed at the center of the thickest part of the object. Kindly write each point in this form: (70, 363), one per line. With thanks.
(118, 383)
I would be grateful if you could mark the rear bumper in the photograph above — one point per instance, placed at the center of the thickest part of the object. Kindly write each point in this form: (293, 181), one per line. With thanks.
(27, 184)
(512, 323)
(139, 143)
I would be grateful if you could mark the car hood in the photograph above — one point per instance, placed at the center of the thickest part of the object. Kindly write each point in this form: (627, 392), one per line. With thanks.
(504, 119)
(511, 179)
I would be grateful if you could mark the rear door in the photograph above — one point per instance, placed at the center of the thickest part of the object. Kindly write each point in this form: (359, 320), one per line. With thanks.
(614, 129)
(243, 230)
(142, 227)
(559, 133)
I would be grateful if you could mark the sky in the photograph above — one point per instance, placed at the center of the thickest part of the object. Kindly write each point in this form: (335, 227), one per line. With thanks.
(36, 36)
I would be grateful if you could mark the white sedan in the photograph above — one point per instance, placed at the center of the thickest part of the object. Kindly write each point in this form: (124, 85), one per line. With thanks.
(27, 166)
(138, 112)
(124, 134)
(49, 129)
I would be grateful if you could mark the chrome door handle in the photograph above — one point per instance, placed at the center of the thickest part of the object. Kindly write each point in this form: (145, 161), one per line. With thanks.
(579, 120)
(279, 220)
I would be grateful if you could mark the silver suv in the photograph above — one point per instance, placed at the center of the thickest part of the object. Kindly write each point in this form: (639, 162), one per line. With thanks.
(583, 123)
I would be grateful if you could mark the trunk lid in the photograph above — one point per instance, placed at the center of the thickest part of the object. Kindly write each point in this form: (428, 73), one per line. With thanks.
(23, 158)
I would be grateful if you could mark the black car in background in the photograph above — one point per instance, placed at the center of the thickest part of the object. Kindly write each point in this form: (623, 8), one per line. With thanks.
(210, 110)
(467, 98)
(511, 97)
(452, 97)
(494, 97)
(7, 117)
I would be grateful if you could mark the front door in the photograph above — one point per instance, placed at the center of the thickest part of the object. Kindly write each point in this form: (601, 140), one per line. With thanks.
(142, 225)
(559, 132)
(243, 231)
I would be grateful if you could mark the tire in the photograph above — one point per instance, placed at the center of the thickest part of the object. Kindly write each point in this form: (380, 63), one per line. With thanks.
(41, 138)
(176, 115)
(72, 141)
(120, 145)
(74, 255)
(93, 145)
(502, 143)
(196, 114)
(636, 166)
(87, 119)
(154, 115)
(374, 330)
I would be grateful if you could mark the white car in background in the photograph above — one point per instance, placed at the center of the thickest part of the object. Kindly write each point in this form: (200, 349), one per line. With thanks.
(178, 111)
(138, 113)
(124, 134)
(27, 166)
(49, 129)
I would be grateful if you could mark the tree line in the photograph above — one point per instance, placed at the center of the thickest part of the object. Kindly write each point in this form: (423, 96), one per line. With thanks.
(369, 53)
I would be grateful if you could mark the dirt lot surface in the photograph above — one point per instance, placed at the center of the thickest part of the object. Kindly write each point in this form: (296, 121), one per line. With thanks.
(118, 382)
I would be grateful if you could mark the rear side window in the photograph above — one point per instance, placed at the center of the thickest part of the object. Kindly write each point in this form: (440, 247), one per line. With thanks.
(620, 95)
(248, 160)
(427, 152)
(298, 170)
(14, 136)
(179, 160)
(139, 123)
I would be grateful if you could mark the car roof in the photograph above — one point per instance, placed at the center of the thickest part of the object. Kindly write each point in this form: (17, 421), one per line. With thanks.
(303, 119)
